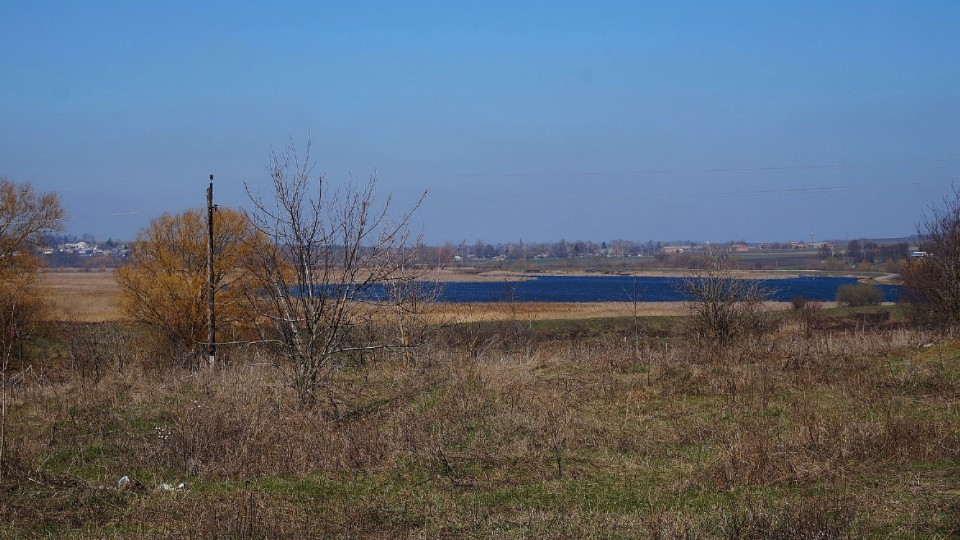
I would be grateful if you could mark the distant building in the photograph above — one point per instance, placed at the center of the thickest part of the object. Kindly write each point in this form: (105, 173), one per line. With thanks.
(81, 248)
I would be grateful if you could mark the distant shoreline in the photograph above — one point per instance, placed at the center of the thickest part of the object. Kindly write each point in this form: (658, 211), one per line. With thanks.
(472, 275)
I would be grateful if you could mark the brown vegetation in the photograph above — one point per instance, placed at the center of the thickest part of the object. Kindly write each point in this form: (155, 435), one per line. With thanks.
(81, 296)
(859, 294)
(723, 309)
(26, 217)
(336, 263)
(498, 429)
(164, 286)
(932, 282)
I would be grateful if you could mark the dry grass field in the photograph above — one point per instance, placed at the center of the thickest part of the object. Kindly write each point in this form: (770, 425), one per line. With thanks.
(530, 423)
(502, 431)
(543, 311)
(534, 311)
(81, 296)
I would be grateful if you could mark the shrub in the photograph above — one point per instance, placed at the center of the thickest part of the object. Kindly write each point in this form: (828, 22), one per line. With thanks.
(860, 294)
(807, 313)
(724, 308)
(930, 284)
(164, 285)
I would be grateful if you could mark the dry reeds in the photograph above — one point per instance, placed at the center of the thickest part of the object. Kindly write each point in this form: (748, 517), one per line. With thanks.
(82, 296)
(506, 430)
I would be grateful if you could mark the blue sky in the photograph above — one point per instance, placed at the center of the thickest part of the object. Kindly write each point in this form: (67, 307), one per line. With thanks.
(714, 121)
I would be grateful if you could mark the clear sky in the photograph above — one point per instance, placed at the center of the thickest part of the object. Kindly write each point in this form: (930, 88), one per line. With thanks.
(758, 121)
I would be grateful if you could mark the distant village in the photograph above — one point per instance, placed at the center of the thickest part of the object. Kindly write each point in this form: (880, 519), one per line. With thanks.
(683, 253)
(624, 248)
(84, 252)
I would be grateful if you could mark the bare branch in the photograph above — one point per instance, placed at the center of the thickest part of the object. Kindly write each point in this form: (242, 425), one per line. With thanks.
(330, 248)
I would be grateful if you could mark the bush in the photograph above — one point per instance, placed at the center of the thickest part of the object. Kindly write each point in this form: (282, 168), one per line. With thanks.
(724, 308)
(930, 285)
(164, 285)
(860, 294)
(27, 217)
(807, 313)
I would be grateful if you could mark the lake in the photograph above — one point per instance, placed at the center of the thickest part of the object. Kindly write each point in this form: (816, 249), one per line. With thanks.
(625, 288)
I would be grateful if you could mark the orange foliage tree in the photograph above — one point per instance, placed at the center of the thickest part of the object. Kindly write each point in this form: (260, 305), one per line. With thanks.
(26, 218)
(164, 285)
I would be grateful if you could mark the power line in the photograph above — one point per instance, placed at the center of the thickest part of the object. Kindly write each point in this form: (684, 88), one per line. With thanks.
(555, 200)
(625, 172)
(651, 172)
(155, 211)
(647, 195)
(662, 195)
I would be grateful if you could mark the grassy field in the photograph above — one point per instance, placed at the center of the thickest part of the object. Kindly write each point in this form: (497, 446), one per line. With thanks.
(511, 426)
(81, 296)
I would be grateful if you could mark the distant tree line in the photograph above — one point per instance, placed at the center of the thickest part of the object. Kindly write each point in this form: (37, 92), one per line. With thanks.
(857, 251)
(868, 251)
(561, 249)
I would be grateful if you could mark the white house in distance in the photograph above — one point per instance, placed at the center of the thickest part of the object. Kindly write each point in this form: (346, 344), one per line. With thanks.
(80, 248)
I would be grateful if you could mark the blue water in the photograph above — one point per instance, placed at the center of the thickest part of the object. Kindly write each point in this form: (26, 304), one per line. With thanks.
(625, 289)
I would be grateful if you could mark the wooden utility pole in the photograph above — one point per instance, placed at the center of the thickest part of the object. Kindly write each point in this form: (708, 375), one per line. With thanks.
(211, 305)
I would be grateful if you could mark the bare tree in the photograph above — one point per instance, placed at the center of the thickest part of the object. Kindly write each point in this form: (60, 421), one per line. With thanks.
(723, 307)
(336, 272)
(932, 281)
